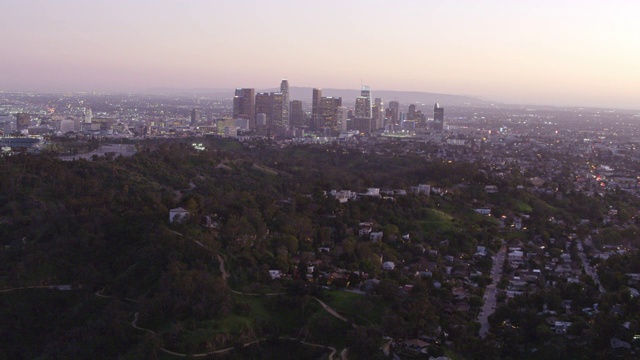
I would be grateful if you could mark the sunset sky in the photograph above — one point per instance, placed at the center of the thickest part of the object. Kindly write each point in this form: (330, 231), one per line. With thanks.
(537, 52)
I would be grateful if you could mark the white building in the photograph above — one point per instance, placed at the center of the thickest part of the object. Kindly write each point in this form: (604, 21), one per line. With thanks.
(343, 195)
(275, 274)
(388, 265)
(178, 214)
(373, 192)
(424, 189)
(491, 189)
(376, 236)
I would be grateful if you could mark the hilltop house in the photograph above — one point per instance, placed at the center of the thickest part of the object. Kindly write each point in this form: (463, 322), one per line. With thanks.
(178, 214)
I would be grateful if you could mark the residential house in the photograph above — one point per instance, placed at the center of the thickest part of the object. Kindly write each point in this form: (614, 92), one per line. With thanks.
(178, 214)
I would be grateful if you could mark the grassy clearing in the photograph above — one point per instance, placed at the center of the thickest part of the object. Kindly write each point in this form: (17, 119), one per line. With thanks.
(355, 307)
(265, 169)
(521, 206)
(436, 221)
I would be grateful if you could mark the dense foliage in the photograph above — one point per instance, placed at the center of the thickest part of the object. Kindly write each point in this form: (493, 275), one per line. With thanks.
(102, 228)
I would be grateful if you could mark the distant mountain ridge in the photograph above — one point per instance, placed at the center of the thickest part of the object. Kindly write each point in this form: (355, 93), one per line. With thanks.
(348, 95)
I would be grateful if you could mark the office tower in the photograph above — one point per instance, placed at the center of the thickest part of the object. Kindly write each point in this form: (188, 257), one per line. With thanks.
(362, 117)
(263, 106)
(244, 105)
(394, 112)
(88, 115)
(284, 89)
(261, 120)
(315, 108)
(377, 113)
(363, 125)
(271, 105)
(22, 121)
(296, 116)
(195, 117)
(362, 108)
(365, 107)
(438, 117)
(411, 114)
(341, 115)
(329, 115)
(420, 118)
(277, 112)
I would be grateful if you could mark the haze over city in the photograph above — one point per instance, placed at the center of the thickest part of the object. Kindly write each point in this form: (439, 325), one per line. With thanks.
(557, 53)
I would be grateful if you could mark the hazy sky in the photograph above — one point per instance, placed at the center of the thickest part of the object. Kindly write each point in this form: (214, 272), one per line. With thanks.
(574, 52)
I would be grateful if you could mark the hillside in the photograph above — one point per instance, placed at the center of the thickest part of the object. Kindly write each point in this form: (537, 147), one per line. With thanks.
(91, 266)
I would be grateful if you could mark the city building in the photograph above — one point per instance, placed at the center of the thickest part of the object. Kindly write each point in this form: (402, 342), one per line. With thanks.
(88, 115)
(263, 106)
(362, 116)
(377, 113)
(297, 116)
(316, 99)
(244, 105)
(438, 117)
(341, 115)
(67, 126)
(271, 105)
(393, 113)
(329, 123)
(286, 110)
(22, 121)
(411, 114)
(277, 123)
(195, 117)
(364, 110)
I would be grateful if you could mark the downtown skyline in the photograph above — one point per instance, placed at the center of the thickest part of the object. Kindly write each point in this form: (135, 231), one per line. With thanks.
(566, 54)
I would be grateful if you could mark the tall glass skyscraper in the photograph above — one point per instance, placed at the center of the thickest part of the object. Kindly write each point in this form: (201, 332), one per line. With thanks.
(244, 105)
(438, 117)
(284, 89)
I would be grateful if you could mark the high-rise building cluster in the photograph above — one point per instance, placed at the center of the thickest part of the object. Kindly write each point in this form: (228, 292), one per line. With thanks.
(273, 113)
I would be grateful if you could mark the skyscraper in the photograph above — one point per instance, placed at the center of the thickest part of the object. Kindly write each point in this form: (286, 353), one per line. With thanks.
(438, 117)
(329, 123)
(411, 114)
(263, 106)
(394, 112)
(362, 117)
(296, 116)
(341, 114)
(195, 117)
(244, 105)
(284, 89)
(22, 121)
(315, 109)
(271, 105)
(377, 113)
(277, 113)
(365, 108)
(88, 115)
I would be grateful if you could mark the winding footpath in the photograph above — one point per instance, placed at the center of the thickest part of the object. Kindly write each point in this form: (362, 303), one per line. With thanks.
(225, 276)
(52, 287)
(134, 323)
(99, 294)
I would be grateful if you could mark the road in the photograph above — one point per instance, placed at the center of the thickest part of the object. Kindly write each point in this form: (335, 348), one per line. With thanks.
(490, 292)
(587, 267)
